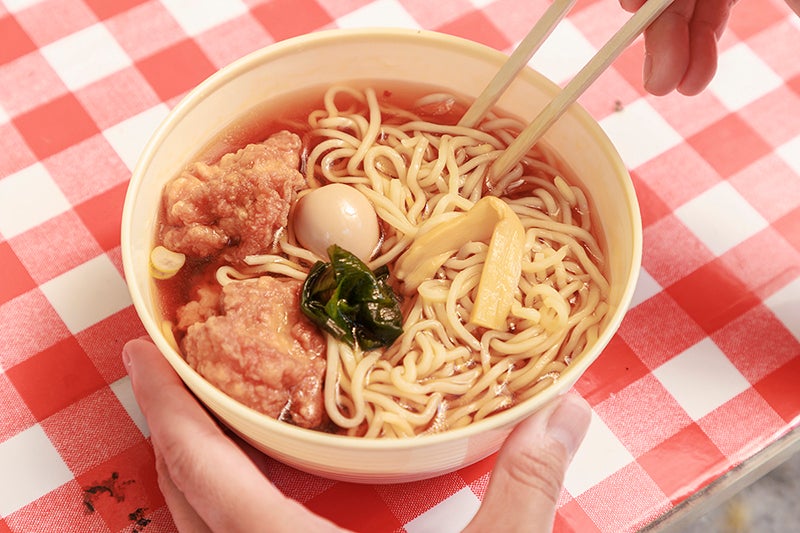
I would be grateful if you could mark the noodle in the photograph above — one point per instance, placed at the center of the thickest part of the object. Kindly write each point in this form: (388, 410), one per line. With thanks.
(445, 372)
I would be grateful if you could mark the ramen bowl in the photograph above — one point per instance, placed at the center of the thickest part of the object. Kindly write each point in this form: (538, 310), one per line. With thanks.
(338, 56)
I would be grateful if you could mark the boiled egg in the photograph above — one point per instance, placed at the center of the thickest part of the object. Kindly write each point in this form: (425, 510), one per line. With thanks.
(336, 214)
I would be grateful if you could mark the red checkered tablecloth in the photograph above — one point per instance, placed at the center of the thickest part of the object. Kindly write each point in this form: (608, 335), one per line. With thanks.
(701, 377)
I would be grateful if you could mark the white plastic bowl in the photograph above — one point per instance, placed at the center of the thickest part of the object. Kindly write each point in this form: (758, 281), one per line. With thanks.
(334, 56)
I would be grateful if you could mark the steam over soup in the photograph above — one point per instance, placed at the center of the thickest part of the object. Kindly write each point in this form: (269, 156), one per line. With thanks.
(343, 262)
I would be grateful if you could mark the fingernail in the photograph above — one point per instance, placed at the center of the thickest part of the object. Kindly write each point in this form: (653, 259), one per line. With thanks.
(569, 422)
(647, 70)
(126, 359)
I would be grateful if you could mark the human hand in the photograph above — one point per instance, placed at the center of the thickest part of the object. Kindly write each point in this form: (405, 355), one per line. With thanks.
(681, 45)
(210, 484)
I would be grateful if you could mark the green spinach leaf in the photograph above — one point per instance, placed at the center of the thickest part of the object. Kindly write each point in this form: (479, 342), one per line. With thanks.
(352, 303)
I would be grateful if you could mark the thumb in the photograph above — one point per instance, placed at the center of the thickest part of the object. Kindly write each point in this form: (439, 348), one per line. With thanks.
(529, 473)
(207, 479)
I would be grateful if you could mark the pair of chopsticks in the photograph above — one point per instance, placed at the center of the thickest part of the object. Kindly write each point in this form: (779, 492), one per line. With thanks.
(514, 153)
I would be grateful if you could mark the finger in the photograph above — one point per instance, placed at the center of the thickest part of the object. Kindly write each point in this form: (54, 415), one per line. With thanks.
(216, 478)
(183, 514)
(631, 5)
(529, 473)
(705, 29)
(667, 48)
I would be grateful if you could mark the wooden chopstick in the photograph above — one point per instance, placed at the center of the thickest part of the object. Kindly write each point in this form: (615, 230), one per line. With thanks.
(516, 62)
(585, 77)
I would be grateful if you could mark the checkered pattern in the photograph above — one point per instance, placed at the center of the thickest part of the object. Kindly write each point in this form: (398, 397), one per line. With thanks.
(701, 375)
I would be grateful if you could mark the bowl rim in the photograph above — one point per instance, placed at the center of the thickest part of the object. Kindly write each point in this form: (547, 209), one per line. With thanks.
(498, 421)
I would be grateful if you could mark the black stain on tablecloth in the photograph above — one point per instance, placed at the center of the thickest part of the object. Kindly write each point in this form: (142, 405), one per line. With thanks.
(138, 518)
(114, 487)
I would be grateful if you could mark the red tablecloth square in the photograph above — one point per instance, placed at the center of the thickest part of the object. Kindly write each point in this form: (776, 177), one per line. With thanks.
(44, 128)
(280, 19)
(30, 325)
(16, 154)
(779, 389)
(4, 527)
(81, 445)
(684, 456)
(105, 9)
(87, 169)
(52, 511)
(15, 278)
(712, 295)
(787, 227)
(364, 511)
(103, 342)
(51, 20)
(794, 84)
(769, 185)
(174, 70)
(145, 29)
(671, 250)
(55, 378)
(121, 490)
(763, 278)
(477, 27)
(609, 502)
(678, 175)
(571, 518)
(757, 343)
(117, 97)
(43, 252)
(750, 18)
(739, 426)
(479, 486)
(729, 145)
(689, 115)
(643, 414)
(16, 416)
(15, 41)
(616, 368)
(774, 115)
(763, 43)
(31, 67)
(644, 330)
(233, 39)
(98, 210)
